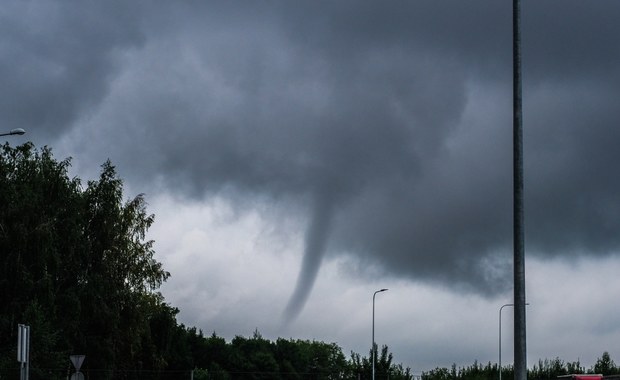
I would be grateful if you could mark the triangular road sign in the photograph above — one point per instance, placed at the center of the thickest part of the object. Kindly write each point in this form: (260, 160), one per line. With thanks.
(77, 361)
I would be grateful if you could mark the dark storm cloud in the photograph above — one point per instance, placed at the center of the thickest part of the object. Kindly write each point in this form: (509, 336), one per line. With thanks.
(57, 59)
(389, 121)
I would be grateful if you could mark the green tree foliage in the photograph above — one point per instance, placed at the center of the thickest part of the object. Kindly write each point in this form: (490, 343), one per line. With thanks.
(544, 370)
(605, 366)
(473, 372)
(75, 266)
(361, 367)
(550, 369)
(259, 358)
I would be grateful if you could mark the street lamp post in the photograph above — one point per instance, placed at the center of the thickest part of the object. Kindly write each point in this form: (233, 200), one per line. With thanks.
(500, 337)
(16, 131)
(373, 331)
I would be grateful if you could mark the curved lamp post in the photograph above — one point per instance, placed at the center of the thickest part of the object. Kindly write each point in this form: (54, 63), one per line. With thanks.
(16, 131)
(373, 331)
(500, 337)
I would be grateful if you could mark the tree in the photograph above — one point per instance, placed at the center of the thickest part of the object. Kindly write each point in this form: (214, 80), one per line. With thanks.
(40, 212)
(75, 265)
(361, 367)
(605, 366)
(548, 369)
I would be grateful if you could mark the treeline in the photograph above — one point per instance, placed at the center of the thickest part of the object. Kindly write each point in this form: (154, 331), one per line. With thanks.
(545, 370)
(259, 358)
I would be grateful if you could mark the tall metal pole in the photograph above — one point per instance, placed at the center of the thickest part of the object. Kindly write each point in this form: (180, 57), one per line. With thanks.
(520, 352)
(373, 331)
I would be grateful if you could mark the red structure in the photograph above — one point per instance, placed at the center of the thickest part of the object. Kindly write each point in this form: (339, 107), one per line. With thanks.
(581, 377)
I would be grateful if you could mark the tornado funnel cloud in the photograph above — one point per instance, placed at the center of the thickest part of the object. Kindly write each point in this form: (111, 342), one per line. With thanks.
(316, 241)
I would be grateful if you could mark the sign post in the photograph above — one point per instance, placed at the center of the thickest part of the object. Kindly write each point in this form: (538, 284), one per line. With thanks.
(77, 361)
(23, 350)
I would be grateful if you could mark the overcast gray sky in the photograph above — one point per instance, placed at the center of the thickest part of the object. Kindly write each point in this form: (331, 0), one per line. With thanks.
(299, 155)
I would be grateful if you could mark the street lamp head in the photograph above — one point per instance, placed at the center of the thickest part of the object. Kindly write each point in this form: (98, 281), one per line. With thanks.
(378, 291)
(16, 131)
